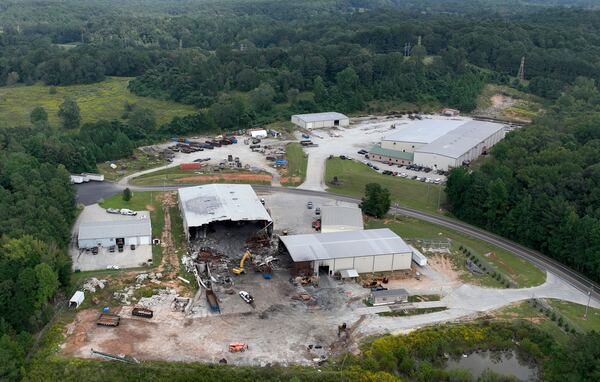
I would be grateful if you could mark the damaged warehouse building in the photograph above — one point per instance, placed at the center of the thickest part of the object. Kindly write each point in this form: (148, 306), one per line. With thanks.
(375, 250)
(224, 208)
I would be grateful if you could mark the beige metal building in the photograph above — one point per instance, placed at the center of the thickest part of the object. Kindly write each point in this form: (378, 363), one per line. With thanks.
(375, 250)
(390, 156)
(340, 219)
(320, 120)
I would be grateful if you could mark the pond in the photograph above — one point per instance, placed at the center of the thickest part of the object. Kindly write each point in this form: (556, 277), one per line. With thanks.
(500, 362)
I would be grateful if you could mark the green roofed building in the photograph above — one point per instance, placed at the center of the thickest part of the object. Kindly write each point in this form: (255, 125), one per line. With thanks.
(390, 156)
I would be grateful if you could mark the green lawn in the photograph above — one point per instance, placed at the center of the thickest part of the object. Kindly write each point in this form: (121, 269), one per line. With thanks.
(297, 162)
(170, 176)
(524, 311)
(143, 200)
(521, 272)
(574, 314)
(353, 176)
(103, 100)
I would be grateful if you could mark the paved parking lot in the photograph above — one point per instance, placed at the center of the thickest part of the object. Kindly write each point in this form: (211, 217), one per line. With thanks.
(361, 135)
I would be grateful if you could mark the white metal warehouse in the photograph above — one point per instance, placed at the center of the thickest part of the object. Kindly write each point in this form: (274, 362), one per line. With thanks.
(460, 146)
(341, 218)
(203, 205)
(129, 230)
(376, 250)
(320, 120)
(413, 135)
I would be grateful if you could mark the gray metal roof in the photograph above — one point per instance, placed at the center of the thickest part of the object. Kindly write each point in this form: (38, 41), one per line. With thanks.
(332, 245)
(135, 226)
(462, 139)
(342, 216)
(217, 202)
(390, 293)
(317, 117)
(423, 131)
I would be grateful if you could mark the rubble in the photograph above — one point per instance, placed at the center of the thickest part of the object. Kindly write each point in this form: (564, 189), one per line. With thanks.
(93, 283)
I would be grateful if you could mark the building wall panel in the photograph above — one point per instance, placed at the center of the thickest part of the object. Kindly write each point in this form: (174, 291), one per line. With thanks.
(402, 261)
(345, 263)
(383, 263)
(363, 264)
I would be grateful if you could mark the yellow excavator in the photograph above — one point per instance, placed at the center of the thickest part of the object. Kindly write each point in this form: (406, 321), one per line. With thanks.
(240, 270)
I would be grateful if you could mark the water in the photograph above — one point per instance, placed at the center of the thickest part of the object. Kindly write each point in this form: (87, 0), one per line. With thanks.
(504, 363)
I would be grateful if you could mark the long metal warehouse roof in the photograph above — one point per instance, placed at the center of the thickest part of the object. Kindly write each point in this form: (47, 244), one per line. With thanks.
(332, 245)
(317, 117)
(134, 226)
(218, 202)
(461, 140)
(423, 131)
(342, 216)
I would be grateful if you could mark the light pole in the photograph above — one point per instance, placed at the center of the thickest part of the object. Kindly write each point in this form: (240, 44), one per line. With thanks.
(588, 305)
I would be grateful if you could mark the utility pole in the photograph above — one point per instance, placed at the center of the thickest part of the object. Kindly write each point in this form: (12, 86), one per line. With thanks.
(587, 307)
(439, 196)
(419, 41)
(521, 74)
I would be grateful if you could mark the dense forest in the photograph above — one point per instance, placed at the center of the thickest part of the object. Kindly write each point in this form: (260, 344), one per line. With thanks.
(248, 62)
(541, 186)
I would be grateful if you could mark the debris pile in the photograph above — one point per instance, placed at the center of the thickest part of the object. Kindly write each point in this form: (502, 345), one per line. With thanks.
(160, 296)
(93, 283)
(141, 277)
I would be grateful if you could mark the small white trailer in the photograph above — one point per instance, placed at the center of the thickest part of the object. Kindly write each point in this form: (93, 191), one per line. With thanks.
(94, 177)
(418, 257)
(77, 179)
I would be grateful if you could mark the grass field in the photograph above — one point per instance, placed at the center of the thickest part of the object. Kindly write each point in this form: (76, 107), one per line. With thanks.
(353, 177)
(574, 314)
(176, 176)
(297, 162)
(103, 100)
(521, 272)
(143, 200)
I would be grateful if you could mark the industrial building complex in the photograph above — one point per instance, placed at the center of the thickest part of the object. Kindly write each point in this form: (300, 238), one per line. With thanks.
(439, 146)
(320, 120)
(121, 230)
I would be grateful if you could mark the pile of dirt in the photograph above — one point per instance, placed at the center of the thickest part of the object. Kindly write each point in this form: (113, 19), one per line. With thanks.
(245, 178)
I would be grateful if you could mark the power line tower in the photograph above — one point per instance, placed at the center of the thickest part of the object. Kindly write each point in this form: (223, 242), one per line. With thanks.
(521, 74)
(407, 49)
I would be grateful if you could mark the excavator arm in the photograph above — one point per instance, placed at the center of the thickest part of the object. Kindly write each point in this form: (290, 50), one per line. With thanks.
(240, 270)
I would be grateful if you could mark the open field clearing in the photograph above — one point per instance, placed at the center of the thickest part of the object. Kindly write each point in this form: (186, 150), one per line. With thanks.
(503, 102)
(103, 100)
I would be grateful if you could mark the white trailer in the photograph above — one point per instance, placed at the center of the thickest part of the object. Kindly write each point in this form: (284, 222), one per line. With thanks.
(418, 257)
(76, 179)
(94, 177)
(77, 299)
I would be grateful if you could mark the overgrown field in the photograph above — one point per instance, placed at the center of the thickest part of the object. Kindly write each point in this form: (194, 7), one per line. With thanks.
(353, 176)
(103, 100)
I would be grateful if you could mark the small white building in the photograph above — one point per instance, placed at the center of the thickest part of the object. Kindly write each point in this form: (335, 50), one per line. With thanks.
(320, 120)
(77, 299)
(374, 250)
(341, 218)
(460, 146)
(257, 133)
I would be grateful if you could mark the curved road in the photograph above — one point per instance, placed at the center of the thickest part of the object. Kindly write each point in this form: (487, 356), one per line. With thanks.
(87, 195)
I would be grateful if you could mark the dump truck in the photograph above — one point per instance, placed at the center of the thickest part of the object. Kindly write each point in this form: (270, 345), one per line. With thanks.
(237, 347)
(107, 319)
(142, 312)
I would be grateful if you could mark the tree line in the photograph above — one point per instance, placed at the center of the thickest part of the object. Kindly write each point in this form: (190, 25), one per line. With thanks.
(541, 185)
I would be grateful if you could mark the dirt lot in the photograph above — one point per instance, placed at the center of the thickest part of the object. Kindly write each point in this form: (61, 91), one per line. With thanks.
(238, 178)
(278, 330)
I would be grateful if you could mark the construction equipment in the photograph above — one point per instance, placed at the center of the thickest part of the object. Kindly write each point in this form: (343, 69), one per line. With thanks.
(238, 271)
(237, 347)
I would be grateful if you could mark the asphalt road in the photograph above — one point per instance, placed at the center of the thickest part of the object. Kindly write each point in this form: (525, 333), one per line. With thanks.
(90, 193)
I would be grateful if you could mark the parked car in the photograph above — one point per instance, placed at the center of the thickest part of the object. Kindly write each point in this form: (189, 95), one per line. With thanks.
(125, 211)
(318, 211)
(343, 157)
(362, 152)
(403, 175)
(309, 205)
(437, 181)
(113, 210)
(246, 297)
(132, 247)
(369, 164)
(375, 168)
(111, 248)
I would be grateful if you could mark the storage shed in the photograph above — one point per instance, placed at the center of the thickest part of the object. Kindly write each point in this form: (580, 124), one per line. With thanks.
(320, 120)
(341, 218)
(387, 297)
(77, 299)
(376, 250)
